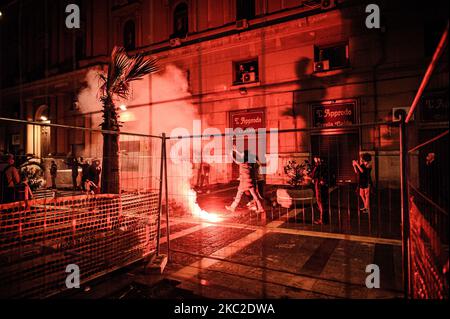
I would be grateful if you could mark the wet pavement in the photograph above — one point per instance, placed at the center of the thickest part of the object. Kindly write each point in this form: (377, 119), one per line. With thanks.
(249, 256)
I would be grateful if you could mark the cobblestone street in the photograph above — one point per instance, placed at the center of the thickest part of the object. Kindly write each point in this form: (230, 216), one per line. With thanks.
(248, 257)
(268, 264)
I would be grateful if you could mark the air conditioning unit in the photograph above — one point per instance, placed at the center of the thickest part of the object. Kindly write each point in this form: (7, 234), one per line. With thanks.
(327, 4)
(322, 66)
(242, 24)
(175, 42)
(248, 77)
(398, 112)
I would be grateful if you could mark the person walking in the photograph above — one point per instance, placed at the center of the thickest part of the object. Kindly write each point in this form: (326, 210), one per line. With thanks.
(245, 182)
(319, 176)
(363, 169)
(10, 181)
(53, 173)
(258, 183)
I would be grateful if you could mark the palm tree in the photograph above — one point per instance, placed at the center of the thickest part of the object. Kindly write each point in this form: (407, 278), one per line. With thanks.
(122, 70)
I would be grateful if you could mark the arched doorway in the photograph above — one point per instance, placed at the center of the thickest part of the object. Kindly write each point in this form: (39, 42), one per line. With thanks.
(41, 134)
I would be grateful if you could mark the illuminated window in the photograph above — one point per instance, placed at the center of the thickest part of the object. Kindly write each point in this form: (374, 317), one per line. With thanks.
(245, 9)
(246, 71)
(180, 21)
(129, 35)
(331, 57)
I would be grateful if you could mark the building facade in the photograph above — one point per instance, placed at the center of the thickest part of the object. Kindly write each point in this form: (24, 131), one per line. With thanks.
(285, 64)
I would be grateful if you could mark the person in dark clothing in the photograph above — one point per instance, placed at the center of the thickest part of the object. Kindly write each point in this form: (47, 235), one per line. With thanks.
(319, 177)
(204, 171)
(53, 173)
(258, 182)
(94, 175)
(74, 164)
(363, 169)
(24, 192)
(85, 172)
(10, 181)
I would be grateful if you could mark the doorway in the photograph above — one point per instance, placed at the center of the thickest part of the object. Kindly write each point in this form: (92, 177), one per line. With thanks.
(338, 150)
(39, 136)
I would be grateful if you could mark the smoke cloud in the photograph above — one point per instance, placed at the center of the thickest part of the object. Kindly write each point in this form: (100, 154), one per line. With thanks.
(159, 103)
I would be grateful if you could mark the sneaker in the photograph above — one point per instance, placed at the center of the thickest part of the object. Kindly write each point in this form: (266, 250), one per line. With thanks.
(318, 222)
(229, 208)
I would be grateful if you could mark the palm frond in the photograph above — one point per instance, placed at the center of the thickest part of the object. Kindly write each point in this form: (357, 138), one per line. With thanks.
(140, 68)
(122, 70)
(118, 66)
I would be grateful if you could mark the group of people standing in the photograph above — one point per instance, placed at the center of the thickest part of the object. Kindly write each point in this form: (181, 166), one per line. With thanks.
(90, 174)
(320, 179)
(319, 176)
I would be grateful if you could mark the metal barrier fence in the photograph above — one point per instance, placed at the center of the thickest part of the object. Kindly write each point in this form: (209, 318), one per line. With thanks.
(67, 218)
(203, 189)
(429, 223)
(426, 205)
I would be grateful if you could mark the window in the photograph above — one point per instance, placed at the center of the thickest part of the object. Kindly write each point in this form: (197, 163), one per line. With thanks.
(331, 57)
(245, 9)
(129, 35)
(180, 21)
(246, 72)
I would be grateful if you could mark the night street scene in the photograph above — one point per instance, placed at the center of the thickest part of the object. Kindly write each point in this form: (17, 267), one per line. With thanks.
(206, 150)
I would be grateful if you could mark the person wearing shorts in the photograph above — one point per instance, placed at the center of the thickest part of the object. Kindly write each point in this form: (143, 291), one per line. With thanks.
(363, 169)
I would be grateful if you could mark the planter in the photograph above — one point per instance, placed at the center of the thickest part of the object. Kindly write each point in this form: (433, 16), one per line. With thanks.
(288, 197)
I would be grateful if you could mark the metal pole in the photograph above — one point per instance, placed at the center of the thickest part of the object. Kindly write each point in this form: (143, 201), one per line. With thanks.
(166, 187)
(437, 54)
(404, 208)
(160, 194)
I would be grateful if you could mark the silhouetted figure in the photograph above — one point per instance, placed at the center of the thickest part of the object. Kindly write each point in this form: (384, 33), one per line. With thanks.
(24, 192)
(85, 169)
(319, 176)
(10, 181)
(95, 171)
(74, 164)
(363, 168)
(53, 173)
(204, 171)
